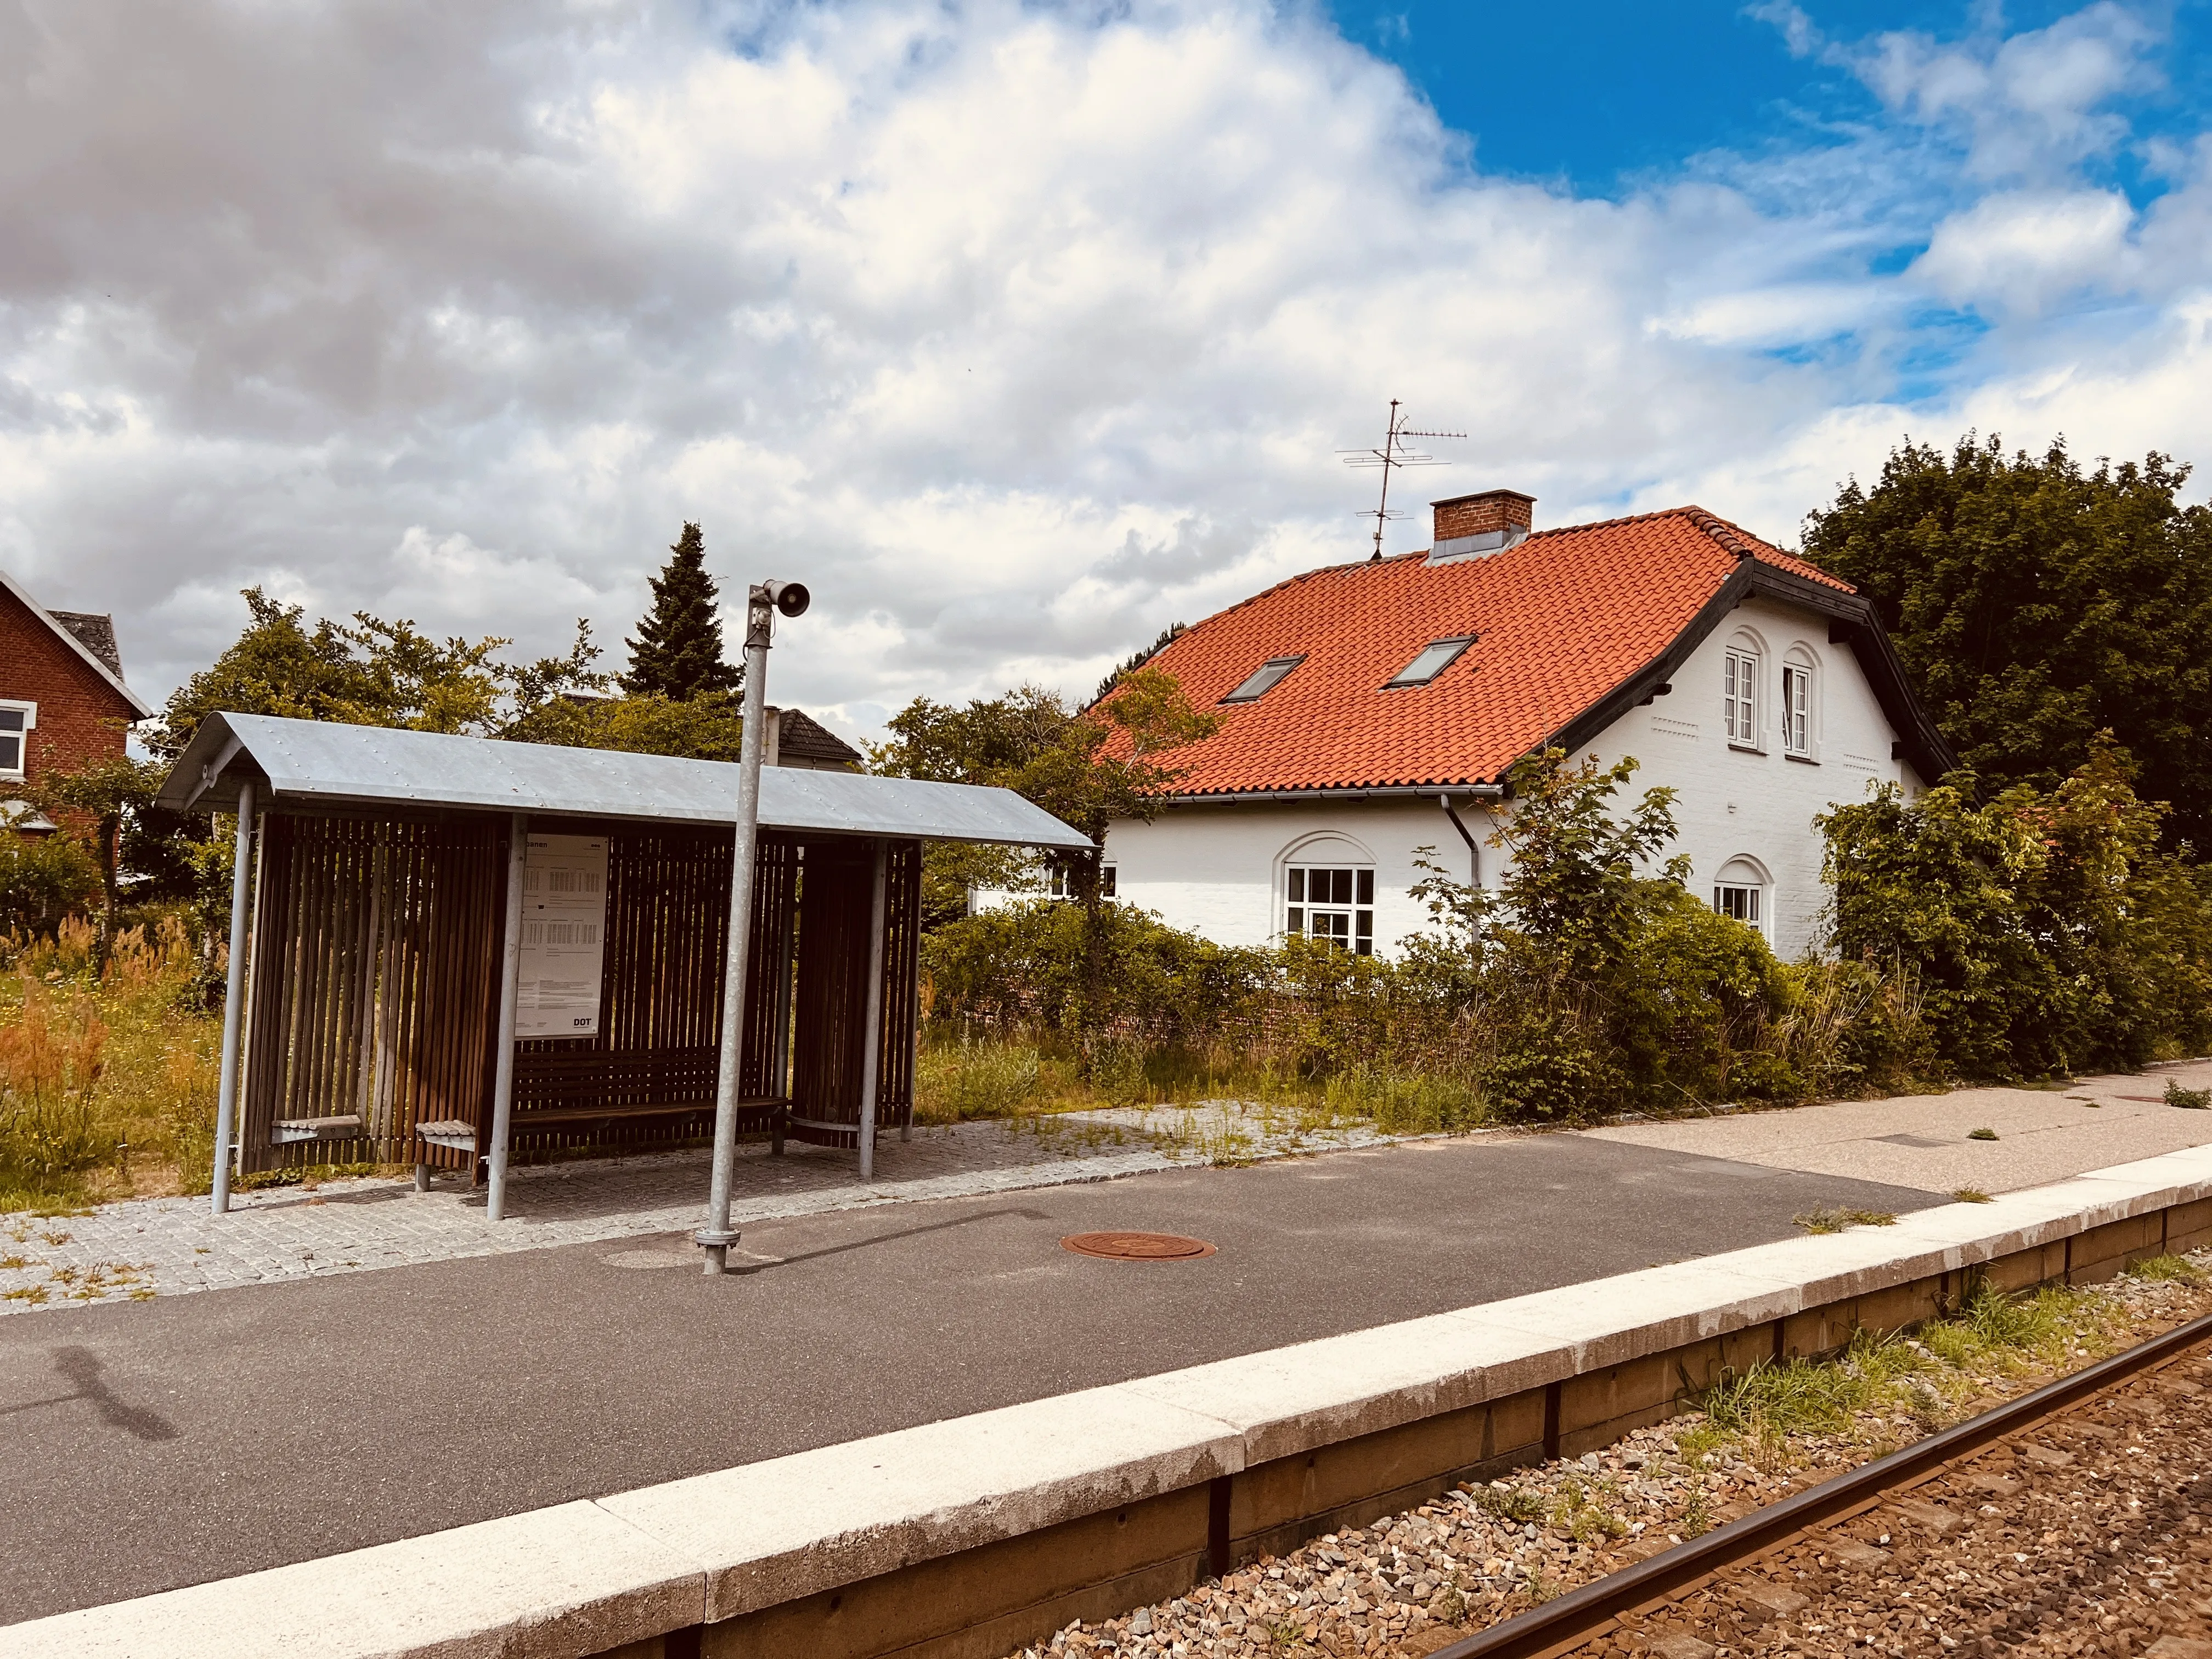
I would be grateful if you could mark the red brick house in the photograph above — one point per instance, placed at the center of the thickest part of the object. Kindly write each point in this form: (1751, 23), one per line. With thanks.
(62, 701)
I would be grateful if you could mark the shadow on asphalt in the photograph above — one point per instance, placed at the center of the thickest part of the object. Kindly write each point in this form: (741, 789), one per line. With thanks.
(761, 1265)
(80, 1367)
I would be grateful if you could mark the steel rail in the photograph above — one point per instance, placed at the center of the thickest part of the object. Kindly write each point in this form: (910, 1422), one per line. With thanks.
(1561, 1626)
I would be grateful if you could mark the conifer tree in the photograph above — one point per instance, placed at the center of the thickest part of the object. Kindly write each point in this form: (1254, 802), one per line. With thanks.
(677, 652)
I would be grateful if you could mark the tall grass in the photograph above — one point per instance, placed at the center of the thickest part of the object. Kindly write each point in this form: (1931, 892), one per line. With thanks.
(107, 1083)
(1930, 1378)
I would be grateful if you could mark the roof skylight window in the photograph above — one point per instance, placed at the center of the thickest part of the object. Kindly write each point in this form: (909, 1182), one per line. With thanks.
(1432, 661)
(1264, 679)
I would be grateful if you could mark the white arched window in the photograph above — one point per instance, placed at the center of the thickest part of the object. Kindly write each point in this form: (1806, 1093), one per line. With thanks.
(1328, 892)
(1742, 890)
(1801, 709)
(1740, 673)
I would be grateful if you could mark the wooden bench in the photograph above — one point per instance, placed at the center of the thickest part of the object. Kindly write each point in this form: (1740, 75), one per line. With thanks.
(458, 1135)
(290, 1130)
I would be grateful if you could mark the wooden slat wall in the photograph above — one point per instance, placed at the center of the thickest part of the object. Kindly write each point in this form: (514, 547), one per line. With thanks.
(901, 982)
(659, 1046)
(375, 984)
(360, 929)
(836, 897)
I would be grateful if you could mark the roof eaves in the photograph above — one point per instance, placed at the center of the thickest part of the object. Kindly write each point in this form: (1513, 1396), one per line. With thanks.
(145, 709)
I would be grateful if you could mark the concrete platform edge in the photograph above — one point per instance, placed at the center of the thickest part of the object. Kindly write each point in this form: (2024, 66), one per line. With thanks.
(1140, 1484)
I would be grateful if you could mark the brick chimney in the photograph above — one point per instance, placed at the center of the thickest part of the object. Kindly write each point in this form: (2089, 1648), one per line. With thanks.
(1471, 527)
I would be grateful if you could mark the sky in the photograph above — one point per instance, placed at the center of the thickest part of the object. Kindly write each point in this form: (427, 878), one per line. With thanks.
(1019, 332)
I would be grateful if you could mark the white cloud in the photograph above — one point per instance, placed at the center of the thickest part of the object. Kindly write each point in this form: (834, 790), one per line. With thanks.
(1016, 331)
(2024, 250)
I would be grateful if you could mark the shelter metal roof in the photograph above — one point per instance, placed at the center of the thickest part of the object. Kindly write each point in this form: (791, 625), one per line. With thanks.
(321, 763)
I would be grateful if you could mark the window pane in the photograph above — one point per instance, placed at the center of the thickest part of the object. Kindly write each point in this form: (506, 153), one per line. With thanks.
(1264, 679)
(11, 719)
(1106, 881)
(1339, 886)
(1432, 661)
(11, 754)
(1367, 887)
(1365, 930)
(1297, 887)
(1297, 920)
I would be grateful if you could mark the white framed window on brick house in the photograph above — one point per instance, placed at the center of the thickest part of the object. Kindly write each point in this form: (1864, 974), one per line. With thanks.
(17, 721)
(1332, 902)
(1740, 697)
(1799, 688)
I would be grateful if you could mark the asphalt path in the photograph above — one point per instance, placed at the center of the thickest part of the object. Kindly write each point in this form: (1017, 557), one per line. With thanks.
(149, 1445)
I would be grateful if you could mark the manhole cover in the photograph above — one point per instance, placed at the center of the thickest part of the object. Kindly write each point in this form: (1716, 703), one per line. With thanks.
(1137, 1246)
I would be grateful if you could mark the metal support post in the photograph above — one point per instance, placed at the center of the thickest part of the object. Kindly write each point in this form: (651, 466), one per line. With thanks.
(233, 997)
(510, 986)
(872, 1037)
(716, 1236)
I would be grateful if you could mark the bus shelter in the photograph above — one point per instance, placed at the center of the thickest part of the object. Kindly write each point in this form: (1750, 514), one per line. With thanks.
(378, 965)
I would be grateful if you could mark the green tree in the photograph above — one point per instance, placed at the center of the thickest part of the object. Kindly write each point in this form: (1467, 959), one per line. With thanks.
(372, 673)
(677, 652)
(2035, 604)
(2047, 931)
(710, 727)
(104, 796)
(1086, 767)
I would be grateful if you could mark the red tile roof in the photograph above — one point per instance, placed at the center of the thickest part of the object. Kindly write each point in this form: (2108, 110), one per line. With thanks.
(1564, 617)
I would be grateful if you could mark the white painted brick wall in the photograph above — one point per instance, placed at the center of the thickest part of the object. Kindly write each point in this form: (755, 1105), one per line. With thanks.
(1219, 869)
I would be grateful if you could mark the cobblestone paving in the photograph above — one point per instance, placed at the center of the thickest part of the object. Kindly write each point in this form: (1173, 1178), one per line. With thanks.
(168, 1246)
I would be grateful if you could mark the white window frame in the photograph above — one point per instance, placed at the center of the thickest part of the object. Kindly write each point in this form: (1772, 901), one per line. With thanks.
(1060, 887)
(1742, 888)
(1740, 899)
(1740, 674)
(21, 769)
(1798, 683)
(1356, 911)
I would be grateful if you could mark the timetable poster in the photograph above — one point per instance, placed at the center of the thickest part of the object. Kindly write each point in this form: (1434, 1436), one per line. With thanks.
(564, 929)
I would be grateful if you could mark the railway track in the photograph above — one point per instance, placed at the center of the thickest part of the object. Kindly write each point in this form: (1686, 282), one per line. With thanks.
(1629, 1610)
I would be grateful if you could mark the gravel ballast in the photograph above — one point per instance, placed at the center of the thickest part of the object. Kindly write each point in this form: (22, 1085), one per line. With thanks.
(2106, 1553)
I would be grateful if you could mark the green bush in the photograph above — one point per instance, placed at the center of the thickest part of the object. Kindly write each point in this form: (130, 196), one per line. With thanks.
(42, 880)
(2046, 932)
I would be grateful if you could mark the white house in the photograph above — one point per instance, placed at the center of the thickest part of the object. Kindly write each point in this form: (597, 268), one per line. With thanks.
(1372, 709)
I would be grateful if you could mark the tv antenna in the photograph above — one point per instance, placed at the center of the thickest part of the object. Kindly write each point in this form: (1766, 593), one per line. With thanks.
(1393, 454)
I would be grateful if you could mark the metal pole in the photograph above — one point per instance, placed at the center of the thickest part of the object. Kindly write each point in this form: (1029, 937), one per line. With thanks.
(871, 1051)
(716, 1237)
(510, 986)
(234, 998)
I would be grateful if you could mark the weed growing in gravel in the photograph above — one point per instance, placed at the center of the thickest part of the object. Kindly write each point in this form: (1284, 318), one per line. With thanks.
(1515, 1504)
(1926, 1380)
(2168, 1266)
(1981, 1134)
(1970, 1195)
(1696, 1514)
(2193, 1100)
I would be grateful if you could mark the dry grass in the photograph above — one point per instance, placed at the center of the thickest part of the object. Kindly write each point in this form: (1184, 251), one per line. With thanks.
(107, 1086)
